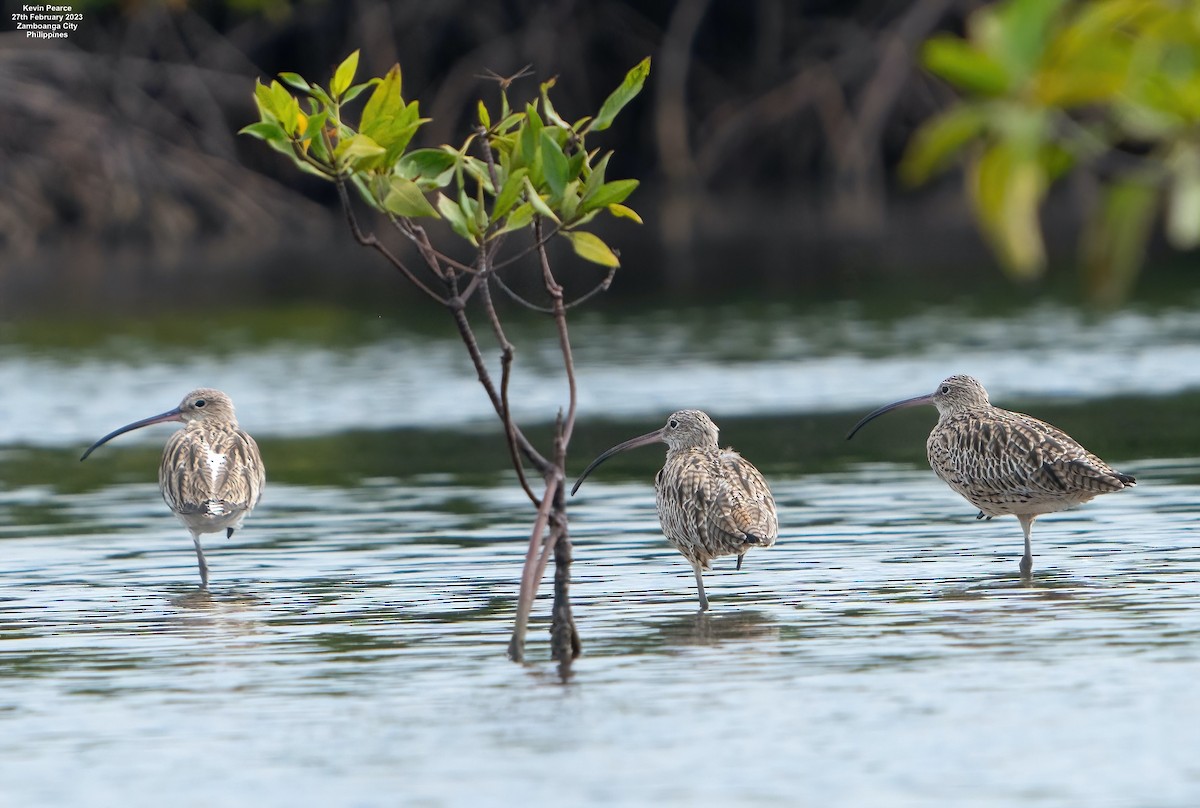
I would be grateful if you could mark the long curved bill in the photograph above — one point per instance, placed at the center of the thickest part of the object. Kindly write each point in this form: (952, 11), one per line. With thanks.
(170, 415)
(908, 402)
(641, 440)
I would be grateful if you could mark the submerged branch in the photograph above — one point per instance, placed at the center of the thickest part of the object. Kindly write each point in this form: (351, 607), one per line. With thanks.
(529, 579)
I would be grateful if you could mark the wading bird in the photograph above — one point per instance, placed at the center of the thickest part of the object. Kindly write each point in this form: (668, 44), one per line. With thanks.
(1006, 462)
(211, 474)
(711, 501)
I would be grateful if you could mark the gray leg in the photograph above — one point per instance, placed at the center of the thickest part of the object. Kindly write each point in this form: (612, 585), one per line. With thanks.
(1027, 559)
(200, 559)
(741, 556)
(700, 585)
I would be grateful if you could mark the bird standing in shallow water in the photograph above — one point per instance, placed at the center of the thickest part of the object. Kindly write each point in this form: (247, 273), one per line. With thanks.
(1006, 462)
(711, 501)
(211, 474)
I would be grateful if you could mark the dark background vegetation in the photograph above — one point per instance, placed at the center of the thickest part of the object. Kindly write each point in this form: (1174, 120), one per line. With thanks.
(766, 141)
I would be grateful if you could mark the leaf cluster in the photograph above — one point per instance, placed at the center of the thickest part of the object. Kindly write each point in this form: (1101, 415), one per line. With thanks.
(521, 162)
(1049, 86)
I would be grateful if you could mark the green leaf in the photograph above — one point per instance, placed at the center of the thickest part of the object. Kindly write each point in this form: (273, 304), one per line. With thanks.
(548, 108)
(430, 168)
(610, 193)
(456, 218)
(538, 203)
(264, 130)
(365, 191)
(479, 170)
(295, 80)
(939, 140)
(510, 191)
(529, 137)
(384, 105)
(630, 87)
(285, 109)
(404, 198)
(358, 149)
(322, 96)
(519, 219)
(964, 66)
(570, 201)
(283, 105)
(264, 101)
(357, 90)
(1023, 31)
(344, 75)
(589, 247)
(472, 211)
(596, 176)
(485, 120)
(554, 164)
(622, 212)
(1007, 187)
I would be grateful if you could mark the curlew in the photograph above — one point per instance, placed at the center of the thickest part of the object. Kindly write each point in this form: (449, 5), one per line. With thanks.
(1006, 462)
(711, 501)
(211, 474)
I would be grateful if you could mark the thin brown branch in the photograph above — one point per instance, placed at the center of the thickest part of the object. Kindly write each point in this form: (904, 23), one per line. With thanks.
(506, 360)
(434, 258)
(369, 240)
(595, 290)
(512, 259)
(465, 331)
(555, 290)
(520, 300)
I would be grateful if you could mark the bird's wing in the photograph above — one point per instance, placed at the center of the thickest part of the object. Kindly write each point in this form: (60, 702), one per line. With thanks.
(1012, 453)
(245, 474)
(750, 503)
(724, 496)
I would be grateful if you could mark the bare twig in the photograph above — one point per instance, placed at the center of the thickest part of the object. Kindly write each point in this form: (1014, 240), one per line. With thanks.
(554, 289)
(506, 360)
(520, 300)
(595, 290)
(369, 240)
(416, 234)
(468, 337)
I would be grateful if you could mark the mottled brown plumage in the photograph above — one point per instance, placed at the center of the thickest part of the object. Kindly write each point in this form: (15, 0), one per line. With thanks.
(1005, 462)
(211, 474)
(711, 501)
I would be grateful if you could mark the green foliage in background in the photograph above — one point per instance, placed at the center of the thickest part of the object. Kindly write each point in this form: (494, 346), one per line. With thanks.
(540, 164)
(1108, 87)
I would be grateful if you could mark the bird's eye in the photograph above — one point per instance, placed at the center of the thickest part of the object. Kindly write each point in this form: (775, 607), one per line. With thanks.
(945, 389)
(673, 423)
(200, 402)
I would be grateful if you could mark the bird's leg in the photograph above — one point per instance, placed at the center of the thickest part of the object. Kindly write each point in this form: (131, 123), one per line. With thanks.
(741, 556)
(700, 585)
(229, 533)
(200, 559)
(1027, 559)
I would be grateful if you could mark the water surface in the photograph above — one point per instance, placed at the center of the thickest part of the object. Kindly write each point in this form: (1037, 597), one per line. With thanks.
(351, 651)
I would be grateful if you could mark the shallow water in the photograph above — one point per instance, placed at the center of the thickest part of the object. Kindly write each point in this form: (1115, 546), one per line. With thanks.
(351, 652)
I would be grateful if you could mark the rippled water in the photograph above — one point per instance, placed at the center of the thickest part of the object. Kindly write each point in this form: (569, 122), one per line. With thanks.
(351, 653)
